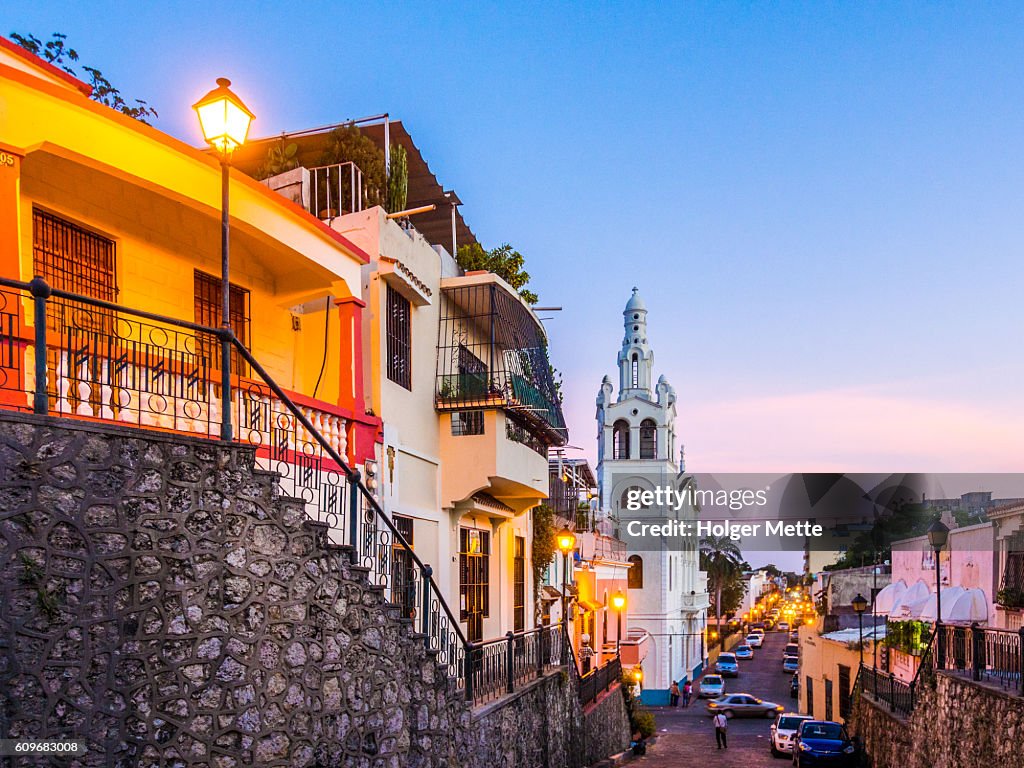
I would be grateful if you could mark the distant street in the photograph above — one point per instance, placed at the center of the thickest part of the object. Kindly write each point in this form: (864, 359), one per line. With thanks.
(686, 736)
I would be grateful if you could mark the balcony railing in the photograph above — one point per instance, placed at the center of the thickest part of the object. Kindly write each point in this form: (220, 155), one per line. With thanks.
(335, 190)
(899, 695)
(595, 682)
(95, 360)
(983, 654)
(501, 666)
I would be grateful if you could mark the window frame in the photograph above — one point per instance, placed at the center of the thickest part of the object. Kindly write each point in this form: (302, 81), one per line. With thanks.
(398, 337)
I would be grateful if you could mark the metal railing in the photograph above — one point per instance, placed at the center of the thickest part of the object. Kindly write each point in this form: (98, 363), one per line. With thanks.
(494, 668)
(984, 654)
(886, 687)
(598, 680)
(100, 361)
(338, 189)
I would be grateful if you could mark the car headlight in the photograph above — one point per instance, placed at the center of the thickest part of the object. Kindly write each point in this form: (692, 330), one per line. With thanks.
(804, 747)
(849, 749)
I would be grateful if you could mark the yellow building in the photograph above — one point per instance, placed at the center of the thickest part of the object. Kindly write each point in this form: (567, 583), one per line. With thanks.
(103, 206)
(828, 670)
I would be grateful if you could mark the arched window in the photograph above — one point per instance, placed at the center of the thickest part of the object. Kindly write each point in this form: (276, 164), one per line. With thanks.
(648, 439)
(636, 370)
(635, 577)
(620, 439)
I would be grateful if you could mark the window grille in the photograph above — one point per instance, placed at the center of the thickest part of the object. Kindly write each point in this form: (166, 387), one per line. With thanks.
(208, 312)
(399, 339)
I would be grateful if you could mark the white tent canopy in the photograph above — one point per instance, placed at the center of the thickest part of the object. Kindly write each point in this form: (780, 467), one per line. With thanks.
(889, 596)
(949, 597)
(971, 605)
(912, 601)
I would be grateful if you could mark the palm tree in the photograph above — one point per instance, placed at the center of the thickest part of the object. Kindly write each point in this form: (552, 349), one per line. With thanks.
(720, 558)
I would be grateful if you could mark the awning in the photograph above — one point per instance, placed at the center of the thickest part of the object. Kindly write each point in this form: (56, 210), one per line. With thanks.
(889, 596)
(971, 605)
(911, 601)
(949, 596)
(586, 606)
(549, 594)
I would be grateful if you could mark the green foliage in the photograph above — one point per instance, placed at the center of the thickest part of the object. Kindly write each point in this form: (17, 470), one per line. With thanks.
(504, 261)
(910, 636)
(640, 719)
(281, 157)
(544, 545)
(347, 144)
(56, 52)
(1010, 597)
(31, 571)
(398, 179)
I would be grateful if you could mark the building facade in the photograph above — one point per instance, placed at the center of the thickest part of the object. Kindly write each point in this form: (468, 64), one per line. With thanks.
(637, 447)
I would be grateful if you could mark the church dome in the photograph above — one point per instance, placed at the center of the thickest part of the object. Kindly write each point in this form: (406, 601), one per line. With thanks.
(635, 303)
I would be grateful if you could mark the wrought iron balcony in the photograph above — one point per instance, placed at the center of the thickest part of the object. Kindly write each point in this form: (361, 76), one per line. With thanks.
(492, 353)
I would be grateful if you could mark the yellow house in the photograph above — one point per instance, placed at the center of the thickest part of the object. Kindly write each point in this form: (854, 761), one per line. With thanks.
(100, 205)
(828, 670)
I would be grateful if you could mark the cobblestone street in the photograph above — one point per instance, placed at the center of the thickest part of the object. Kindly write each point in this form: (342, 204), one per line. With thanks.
(686, 736)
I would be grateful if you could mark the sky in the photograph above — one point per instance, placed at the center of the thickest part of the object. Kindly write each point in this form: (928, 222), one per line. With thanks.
(819, 202)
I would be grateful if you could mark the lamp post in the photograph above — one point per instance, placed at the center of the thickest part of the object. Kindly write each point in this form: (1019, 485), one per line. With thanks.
(874, 615)
(618, 602)
(225, 122)
(566, 541)
(860, 604)
(938, 534)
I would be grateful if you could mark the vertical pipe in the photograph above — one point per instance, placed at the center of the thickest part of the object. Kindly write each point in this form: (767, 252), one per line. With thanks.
(455, 244)
(40, 293)
(387, 146)
(225, 288)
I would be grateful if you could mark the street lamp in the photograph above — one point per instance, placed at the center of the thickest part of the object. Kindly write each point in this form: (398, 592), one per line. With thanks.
(225, 121)
(566, 541)
(618, 603)
(860, 604)
(938, 534)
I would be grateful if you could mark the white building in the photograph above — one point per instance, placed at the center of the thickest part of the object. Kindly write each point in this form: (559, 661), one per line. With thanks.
(636, 445)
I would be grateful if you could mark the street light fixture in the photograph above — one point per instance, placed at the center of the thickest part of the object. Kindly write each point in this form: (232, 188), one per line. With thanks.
(860, 604)
(938, 534)
(566, 541)
(225, 122)
(618, 603)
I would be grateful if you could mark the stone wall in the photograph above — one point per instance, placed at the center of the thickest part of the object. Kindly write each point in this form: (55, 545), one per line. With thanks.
(955, 722)
(545, 726)
(160, 600)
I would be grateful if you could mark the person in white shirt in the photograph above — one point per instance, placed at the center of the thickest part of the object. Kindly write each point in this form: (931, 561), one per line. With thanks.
(721, 723)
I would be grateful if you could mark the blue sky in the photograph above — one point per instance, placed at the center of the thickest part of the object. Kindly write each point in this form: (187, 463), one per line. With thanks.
(821, 203)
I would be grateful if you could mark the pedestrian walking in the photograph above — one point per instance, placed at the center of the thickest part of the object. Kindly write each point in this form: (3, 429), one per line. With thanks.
(673, 694)
(687, 692)
(721, 723)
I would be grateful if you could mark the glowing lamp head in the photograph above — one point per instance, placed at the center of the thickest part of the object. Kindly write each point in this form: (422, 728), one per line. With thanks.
(638, 674)
(566, 541)
(618, 601)
(224, 119)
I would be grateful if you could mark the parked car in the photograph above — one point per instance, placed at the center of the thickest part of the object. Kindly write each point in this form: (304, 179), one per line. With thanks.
(822, 742)
(790, 664)
(727, 665)
(783, 731)
(792, 649)
(743, 705)
(755, 641)
(783, 626)
(794, 686)
(744, 652)
(794, 636)
(711, 687)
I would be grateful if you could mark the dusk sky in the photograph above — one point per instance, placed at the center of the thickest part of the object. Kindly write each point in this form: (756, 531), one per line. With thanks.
(822, 204)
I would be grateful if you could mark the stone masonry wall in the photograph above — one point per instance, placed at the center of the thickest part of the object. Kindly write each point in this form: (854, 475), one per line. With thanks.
(956, 722)
(160, 601)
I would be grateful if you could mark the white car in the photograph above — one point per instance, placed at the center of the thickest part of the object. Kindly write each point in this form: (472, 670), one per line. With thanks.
(755, 641)
(783, 730)
(711, 687)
